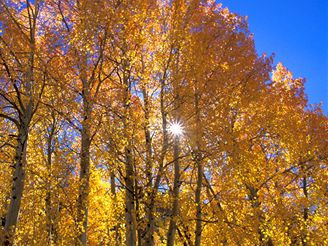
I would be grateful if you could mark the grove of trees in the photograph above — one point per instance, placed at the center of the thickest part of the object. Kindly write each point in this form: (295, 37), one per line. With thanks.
(89, 93)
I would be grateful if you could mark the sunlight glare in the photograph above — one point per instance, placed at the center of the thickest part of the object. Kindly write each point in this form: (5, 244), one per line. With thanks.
(176, 129)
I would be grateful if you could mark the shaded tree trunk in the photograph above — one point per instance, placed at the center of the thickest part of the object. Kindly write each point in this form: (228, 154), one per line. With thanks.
(130, 212)
(148, 234)
(82, 213)
(112, 183)
(82, 217)
(23, 132)
(113, 192)
(254, 198)
(198, 162)
(18, 181)
(198, 230)
(150, 212)
(176, 152)
(51, 230)
(176, 187)
(305, 210)
(129, 199)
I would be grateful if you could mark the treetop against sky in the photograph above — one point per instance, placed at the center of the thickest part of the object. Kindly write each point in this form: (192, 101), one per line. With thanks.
(296, 32)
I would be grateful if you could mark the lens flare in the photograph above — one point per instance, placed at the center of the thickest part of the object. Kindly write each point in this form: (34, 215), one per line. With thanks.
(176, 129)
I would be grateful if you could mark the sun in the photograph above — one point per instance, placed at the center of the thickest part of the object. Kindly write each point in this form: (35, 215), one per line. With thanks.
(176, 128)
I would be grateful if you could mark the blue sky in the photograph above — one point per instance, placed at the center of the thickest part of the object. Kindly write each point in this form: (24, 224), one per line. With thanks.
(296, 31)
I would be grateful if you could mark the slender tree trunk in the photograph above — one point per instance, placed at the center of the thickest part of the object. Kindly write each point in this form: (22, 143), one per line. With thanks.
(254, 198)
(198, 161)
(176, 187)
(51, 229)
(137, 191)
(148, 237)
(23, 131)
(113, 192)
(129, 199)
(130, 213)
(82, 216)
(305, 211)
(48, 196)
(112, 183)
(176, 152)
(48, 207)
(18, 184)
(150, 217)
(198, 231)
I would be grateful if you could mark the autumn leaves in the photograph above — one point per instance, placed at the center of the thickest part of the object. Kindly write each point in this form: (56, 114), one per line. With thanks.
(92, 100)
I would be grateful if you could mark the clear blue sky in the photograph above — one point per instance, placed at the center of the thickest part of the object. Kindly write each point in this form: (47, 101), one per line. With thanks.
(296, 31)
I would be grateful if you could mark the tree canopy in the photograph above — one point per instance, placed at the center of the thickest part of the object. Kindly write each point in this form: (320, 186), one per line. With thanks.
(153, 122)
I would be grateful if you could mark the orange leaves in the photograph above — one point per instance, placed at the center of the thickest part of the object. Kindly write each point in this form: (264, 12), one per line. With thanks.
(282, 75)
(122, 71)
(285, 84)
